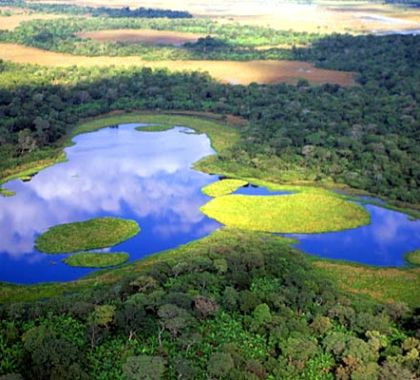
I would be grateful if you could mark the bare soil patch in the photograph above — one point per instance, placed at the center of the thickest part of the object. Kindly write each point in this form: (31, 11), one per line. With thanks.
(145, 36)
(225, 71)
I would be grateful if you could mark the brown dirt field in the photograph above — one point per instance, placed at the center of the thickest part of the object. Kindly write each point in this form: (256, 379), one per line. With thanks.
(146, 36)
(11, 22)
(224, 71)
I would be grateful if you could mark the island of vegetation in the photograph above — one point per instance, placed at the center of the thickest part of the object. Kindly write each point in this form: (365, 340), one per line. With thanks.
(96, 259)
(311, 211)
(154, 128)
(224, 187)
(91, 234)
(413, 257)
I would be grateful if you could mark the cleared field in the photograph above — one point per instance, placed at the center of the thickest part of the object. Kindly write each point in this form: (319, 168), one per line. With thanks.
(323, 16)
(11, 22)
(329, 19)
(224, 71)
(145, 36)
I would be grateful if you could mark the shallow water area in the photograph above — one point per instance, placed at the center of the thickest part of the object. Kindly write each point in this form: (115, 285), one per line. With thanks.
(145, 176)
(258, 190)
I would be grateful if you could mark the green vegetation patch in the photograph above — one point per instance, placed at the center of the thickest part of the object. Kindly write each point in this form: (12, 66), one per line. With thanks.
(6, 193)
(91, 234)
(96, 259)
(308, 212)
(224, 187)
(413, 257)
(154, 128)
(382, 284)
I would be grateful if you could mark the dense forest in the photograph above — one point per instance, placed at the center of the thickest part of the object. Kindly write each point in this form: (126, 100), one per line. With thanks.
(366, 136)
(240, 306)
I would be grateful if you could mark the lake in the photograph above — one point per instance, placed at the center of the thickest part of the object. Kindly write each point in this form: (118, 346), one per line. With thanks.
(147, 176)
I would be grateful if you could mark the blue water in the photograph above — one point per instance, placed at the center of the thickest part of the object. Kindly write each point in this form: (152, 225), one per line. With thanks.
(384, 242)
(147, 176)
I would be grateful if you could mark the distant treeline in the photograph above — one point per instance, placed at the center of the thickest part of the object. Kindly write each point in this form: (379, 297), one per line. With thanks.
(409, 3)
(97, 12)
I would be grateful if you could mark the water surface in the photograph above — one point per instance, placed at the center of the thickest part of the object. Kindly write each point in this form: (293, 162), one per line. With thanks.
(384, 242)
(147, 176)
(121, 172)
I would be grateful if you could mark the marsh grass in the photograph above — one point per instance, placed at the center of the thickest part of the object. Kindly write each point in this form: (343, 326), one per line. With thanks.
(311, 211)
(91, 234)
(382, 284)
(224, 187)
(154, 128)
(6, 192)
(96, 259)
(413, 257)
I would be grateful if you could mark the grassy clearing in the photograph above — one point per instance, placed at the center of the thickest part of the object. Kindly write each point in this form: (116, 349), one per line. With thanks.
(382, 284)
(413, 257)
(329, 17)
(96, 260)
(144, 36)
(233, 72)
(91, 234)
(306, 212)
(224, 187)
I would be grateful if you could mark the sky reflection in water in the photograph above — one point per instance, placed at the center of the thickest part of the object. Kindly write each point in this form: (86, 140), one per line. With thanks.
(113, 172)
(148, 177)
(383, 243)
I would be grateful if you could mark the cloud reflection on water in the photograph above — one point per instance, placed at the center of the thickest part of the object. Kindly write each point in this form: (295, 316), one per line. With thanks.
(384, 242)
(111, 172)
